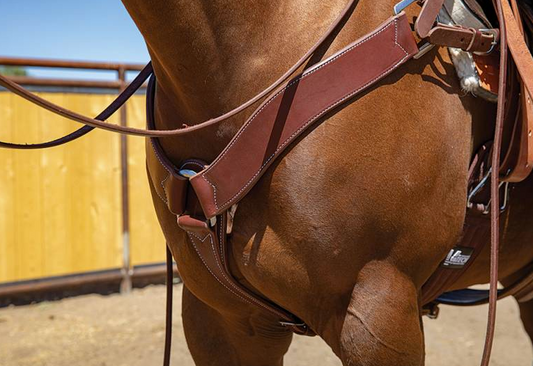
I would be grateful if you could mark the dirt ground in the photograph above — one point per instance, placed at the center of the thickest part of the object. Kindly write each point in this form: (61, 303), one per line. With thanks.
(128, 330)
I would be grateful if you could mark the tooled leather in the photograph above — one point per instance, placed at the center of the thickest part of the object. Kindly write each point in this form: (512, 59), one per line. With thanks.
(316, 92)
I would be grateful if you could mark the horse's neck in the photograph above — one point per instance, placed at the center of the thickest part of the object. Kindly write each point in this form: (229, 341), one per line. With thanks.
(211, 56)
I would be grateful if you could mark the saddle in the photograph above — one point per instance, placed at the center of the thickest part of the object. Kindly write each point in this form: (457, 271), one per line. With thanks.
(204, 195)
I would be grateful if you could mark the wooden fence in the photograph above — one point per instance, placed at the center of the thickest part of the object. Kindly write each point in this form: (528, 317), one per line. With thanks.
(61, 208)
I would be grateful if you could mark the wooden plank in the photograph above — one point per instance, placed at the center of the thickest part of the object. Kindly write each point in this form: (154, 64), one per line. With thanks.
(146, 238)
(7, 190)
(60, 207)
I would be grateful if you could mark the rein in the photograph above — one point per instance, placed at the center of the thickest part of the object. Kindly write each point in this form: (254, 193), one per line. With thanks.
(468, 39)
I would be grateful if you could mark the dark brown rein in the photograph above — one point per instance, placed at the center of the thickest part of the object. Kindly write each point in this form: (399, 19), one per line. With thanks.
(467, 39)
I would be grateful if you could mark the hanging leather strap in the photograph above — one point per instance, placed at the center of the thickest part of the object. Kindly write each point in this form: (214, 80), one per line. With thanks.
(518, 163)
(168, 311)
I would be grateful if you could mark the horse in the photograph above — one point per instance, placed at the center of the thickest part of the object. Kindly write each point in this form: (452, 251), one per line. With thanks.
(348, 225)
(345, 228)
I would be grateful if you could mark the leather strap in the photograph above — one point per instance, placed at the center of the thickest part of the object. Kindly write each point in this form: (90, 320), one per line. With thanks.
(468, 39)
(518, 163)
(517, 45)
(210, 245)
(428, 16)
(495, 191)
(292, 109)
(168, 311)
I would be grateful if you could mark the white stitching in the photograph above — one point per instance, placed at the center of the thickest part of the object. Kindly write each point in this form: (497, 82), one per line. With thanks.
(164, 189)
(240, 293)
(305, 74)
(396, 37)
(333, 105)
(206, 266)
(220, 239)
(165, 199)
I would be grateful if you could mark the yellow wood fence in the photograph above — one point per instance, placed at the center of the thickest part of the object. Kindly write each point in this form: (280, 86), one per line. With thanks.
(61, 208)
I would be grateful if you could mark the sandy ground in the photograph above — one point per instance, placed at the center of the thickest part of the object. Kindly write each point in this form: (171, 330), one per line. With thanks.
(128, 330)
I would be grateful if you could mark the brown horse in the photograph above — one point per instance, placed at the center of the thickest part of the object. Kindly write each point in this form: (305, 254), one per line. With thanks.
(345, 229)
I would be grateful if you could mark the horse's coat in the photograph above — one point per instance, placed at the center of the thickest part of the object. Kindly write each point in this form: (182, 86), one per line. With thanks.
(345, 229)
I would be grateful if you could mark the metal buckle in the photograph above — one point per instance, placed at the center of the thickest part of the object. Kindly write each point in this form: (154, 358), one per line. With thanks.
(398, 8)
(292, 324)
(494, 33)
(505, 198)
(422, 50)
(482, 184)
(477, 188)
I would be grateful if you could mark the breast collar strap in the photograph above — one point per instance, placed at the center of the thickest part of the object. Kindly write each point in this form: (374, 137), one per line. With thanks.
(392, 44)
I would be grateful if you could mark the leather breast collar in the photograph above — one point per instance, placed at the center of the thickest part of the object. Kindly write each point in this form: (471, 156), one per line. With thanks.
(201, 203)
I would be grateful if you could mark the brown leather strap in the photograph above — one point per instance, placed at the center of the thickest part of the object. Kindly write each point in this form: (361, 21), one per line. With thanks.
(517, 45)
(518, 163)
(468, 39)
(54, 108)
(283, 117)
(168, 312)
(428, 16)
(210, 245)
(495, 190)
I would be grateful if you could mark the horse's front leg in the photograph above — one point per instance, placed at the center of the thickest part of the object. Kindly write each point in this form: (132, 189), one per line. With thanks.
(381, 325)
(225, 339)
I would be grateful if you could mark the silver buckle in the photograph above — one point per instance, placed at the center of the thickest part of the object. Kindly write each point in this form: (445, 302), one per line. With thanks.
(425, 48)
(477, 188)
(494, 42)
(480, 185)
(398, 8)
(292, 324)
(505, 198)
